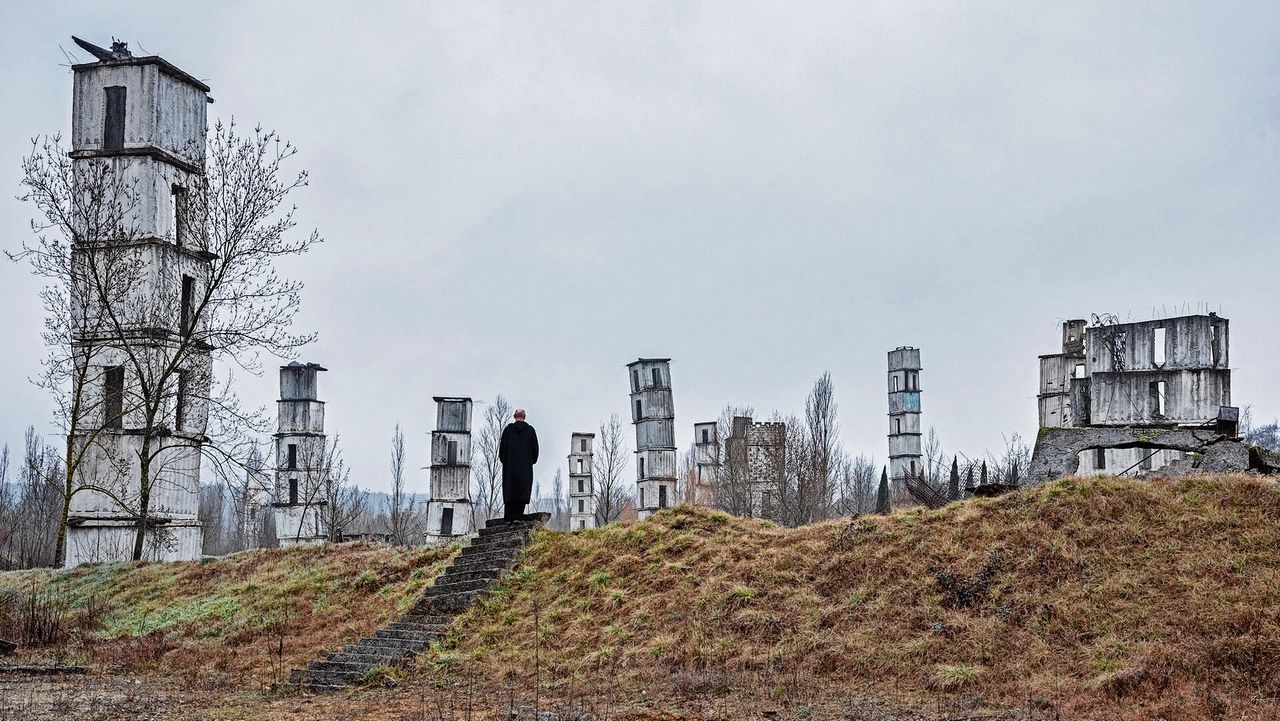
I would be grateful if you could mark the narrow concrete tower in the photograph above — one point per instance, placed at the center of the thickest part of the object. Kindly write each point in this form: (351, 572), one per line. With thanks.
(449, 510)
(653, 414)
(300, 457)
(904, 418)
(582, 492)
(138, 138)
(706, 456)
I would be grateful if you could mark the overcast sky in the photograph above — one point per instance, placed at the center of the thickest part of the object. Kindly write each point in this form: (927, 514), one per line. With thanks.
(521, 198)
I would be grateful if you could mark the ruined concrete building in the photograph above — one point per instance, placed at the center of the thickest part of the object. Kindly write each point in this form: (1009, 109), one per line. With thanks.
(582, 492)
(653, 414)
(755, 461)
(255, 501)
(144, 120)
(301, 463)
(905, 458)
(449, 512)
(1137, 397)
(707, 462)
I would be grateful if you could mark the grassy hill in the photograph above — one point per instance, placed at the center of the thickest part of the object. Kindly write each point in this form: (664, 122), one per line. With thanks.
(1098, 598)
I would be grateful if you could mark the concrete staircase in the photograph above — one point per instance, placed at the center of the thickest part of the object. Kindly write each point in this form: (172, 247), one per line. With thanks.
(471, 576)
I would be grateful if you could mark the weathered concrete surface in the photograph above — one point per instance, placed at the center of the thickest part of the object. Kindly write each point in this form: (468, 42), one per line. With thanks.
(1057, 451)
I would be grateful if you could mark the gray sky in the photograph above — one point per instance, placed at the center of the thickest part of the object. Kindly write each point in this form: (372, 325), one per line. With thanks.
(521, 198)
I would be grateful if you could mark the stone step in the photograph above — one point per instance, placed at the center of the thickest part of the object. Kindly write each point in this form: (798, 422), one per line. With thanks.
(455, 603)
(358, 667)
(334, 678)
(502, 535)
(423, 636)
(484, 573)
(441, 589)
(502, 558)
(436, 628)
(497, 525)
(370, 659)
(426, 620)
(390, 643)
(500, 542)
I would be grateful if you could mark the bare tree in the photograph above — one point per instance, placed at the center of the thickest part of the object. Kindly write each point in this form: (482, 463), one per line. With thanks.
(486, 491)
(1011, 463)
(560, 511)
(341, 502)
(402, 520)
(732, 490)
(606, 468)
(823, 450)
(857, 487)
(163, 331)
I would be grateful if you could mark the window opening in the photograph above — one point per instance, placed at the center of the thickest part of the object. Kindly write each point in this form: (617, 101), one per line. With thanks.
(188, 295)
(113, 119)
(1158, 347)
(293, 457)
(446, 522)
(1099, 459)
(113, 397)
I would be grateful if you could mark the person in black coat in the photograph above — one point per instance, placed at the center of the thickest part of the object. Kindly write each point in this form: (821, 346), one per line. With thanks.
(518, 451)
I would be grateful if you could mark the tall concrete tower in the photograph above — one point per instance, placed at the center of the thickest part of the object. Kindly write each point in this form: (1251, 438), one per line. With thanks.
(653, 414)
(582, 492)
(706, 457)
(904, 418)
(300, 457)
(138, 122)
(449, 510)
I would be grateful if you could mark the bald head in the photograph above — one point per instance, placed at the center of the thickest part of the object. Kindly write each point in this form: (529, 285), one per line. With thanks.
(519, 414)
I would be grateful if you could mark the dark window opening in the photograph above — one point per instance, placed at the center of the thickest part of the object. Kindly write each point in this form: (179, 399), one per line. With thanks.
(293, 491)
(1216, 345)
(446, 522)
(913, 469)
(188, 294)
(581, 505)
(113, 119)
(452, 458)
(583, 445)
(642, 466)
(581, 525)
(581, 486)
(657, 377)
(180, 405)
(1099, 458)
(642, 498)
(899, 422)
(113, 397)
(662, 496)
(1157, 393)
(706, 435)
(635, 380)
(179, 210)
(639, 409)
(293, 457)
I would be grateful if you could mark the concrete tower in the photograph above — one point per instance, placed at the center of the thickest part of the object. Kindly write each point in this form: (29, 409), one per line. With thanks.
(449, 510)
(582, 492)
(300, 457)
(1057, 372)
(653, 414)
(904, 418)
(706, 456)
(141, 122)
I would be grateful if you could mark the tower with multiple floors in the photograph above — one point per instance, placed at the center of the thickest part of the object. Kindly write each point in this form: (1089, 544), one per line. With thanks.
(707, 462)
(449, 510)
(653, 415)
(301, 463)
(582, 495)
(904, 418)
(138, 146)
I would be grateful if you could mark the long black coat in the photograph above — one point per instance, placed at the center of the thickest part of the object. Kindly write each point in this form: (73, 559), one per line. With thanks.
(518, 451)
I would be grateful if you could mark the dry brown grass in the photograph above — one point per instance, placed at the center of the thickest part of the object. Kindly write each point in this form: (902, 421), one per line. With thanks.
(1098, 598)
(247, 618)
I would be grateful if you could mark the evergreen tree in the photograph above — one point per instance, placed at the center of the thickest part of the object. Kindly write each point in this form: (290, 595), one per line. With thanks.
(955, 480)
(882, 494)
